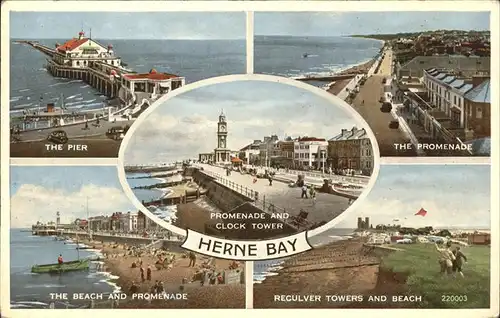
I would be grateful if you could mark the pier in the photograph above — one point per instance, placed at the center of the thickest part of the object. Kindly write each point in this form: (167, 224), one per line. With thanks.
(83, 58)
(94, 73)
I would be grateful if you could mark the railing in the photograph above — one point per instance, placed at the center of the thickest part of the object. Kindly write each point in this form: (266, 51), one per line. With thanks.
(249, 193)
(259, 202)
(334, 177)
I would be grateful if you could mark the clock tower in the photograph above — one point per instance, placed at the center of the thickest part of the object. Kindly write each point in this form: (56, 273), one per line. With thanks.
(222, 153)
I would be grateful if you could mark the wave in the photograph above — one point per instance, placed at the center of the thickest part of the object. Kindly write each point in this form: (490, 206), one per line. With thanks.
(44, 286)
(85, 86)
(75, 81)
(24, 90)
(39, 303)
(116, 288)
(73, 96)
(58, 84)
(15, 98)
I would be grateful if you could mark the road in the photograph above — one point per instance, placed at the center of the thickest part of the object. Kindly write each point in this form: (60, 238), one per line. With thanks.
(74, 131)
(95, 147)
(326, 208)
(370, 93)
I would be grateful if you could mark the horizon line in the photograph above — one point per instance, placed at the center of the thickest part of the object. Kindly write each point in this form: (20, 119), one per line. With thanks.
(158, 39)
(367, 34)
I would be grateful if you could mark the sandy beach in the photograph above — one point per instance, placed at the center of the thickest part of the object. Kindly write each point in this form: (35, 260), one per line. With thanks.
(363, 68)
(343, 267)
(177, 274)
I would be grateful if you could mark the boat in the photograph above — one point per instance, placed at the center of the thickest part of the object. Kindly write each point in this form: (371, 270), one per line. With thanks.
(305, 55)
(78, 265)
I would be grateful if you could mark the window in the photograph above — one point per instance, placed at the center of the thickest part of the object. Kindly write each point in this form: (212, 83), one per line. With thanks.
(455, 99)
(479, 113)
(307, 155)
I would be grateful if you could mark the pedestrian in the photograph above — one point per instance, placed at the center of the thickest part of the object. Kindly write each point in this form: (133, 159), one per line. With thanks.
(192, 259)
(304, 191)
(457, 264)
(134, 288)
(142, 274)
(148, 273)
(270, 180)
(446, 258)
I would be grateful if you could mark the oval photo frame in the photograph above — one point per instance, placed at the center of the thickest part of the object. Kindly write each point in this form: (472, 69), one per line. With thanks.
(334, 100)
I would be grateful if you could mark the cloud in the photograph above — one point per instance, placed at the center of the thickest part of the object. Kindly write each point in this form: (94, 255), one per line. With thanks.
(186, 125)
(453, 196)
(32, 203)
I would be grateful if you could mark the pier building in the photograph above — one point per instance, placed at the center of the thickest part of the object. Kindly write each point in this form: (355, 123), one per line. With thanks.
(85, 59)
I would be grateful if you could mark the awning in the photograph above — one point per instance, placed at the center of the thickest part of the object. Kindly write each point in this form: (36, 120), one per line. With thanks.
(164, 85)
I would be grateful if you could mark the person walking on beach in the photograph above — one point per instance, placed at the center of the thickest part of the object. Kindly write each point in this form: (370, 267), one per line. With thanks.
(446, 258)
(134, 288)
(457, 264)
(148, 273)
(304, 192)
(60, 260)
(270, 180)
(142, 274)
(192, 259)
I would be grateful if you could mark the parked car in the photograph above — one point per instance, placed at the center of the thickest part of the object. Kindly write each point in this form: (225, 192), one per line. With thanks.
(58, 137)
(116, 133)
(404, 241)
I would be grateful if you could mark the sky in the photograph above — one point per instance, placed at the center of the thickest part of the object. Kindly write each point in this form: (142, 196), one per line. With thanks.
(122, 25)
(186, 125)
(452, 195)
(350, 23)
(37, 193)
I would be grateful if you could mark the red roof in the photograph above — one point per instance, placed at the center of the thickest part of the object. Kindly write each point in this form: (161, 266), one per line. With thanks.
(312, 139)
(71, 44)
(236, 159)
(150, 76)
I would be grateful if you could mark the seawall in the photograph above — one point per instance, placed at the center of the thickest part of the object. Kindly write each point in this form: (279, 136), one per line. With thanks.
(231, 201)
(171, 245)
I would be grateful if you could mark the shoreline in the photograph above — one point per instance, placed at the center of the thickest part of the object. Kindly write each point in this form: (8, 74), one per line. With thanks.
(276, 268)
(117, 262)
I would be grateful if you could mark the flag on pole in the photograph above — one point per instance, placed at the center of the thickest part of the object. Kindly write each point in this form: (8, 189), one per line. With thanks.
(421, 212)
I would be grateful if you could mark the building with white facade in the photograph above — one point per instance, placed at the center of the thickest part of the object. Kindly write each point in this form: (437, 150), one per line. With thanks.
(79, 52)
(448, 113)
(311, 152)
(250, 153)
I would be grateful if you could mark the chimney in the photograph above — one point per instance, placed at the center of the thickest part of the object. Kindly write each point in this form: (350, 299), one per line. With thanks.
(478, 79)
(343, 131)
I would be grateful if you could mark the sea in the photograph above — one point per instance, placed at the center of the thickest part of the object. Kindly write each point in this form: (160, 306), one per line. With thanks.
(30, 82)
(284, 55)
(30, 290)
(264, 269)
(166, 213)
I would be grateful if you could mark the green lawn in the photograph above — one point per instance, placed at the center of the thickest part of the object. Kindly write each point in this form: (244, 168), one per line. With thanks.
(420, 261)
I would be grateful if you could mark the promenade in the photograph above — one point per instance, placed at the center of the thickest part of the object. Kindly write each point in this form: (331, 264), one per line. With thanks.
(326, 208)
(370, 93)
